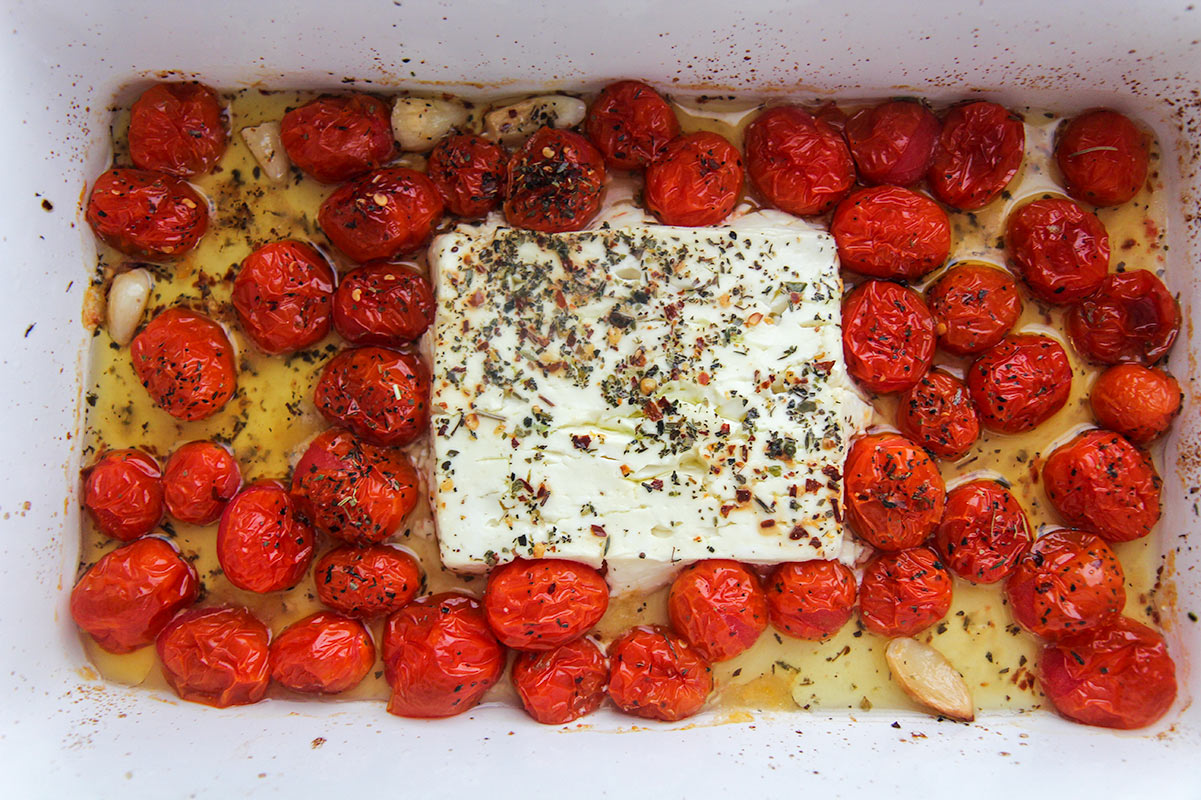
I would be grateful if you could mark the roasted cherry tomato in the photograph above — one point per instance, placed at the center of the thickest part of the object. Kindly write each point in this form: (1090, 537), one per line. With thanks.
(337, 138)
(283, 295)
(177, 128)
(263, 544)
(810, 599)
(1117, 675)
(324, 653)
(719, 607)
(366, 581)
(147, 214)
(983, 532)
(894, 491)
(439, 656)
(893, 142)
(890, 232)
(123, 491)
(1102, 482)
(1060, 250)
(216, 656)
(1135, 401)
(887, 336)
(1067, 581)
(1020, 383)
(200, 478)
(469, 173)
(977, 154)
(561, 685)
(904, 593)
(384, 304)
(538, 605)
(1131, 319)
(938, 414)
(381, 395)
(695, 181)
(974, 306)
(799, 163)
(381, 215)
(1103, 157)
(631, 124)
(554, 182)
(186, 363)
(657, 675)
(131, 593)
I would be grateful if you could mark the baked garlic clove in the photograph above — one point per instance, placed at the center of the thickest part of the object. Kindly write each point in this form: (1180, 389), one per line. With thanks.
(268, 149)
(929, 678)
(128, 295)
(511, 124)
(419, 122)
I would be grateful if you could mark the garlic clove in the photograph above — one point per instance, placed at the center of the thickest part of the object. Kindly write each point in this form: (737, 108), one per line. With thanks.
(418, 123)
(929, 678)
(128, 295)
(511, 124)
(267, 147)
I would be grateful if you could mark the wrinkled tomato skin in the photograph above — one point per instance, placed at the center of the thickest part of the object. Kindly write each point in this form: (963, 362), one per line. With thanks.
(382, 215)
(177, 128)
(887, 336)
(938, 414)
(383, 304)
(894, 491)
(978, 152)
(216, 656)
(380, 395)
(631, 124)
(554, 182)
(1119, 675)
(561, 685)
(324, 653)
(366, 582)
(283, 295)
(974, 306)
(541, 604)
(263, 544)
(123, 493)
(1020, 383)
(1102, 482)
(333, 139)
(1060, 250)
(890, 232)
(1132, 319)
(1135, 401)
(469, 173)
(655, 674)
(719, 607)
(893, 143)
(905, 592)
(983, 532)
(147, 214)
(186, 363)
(696, 180)
(811, 599)
(799, 163)
(200, 479)
(1103, 157)
(127, 597)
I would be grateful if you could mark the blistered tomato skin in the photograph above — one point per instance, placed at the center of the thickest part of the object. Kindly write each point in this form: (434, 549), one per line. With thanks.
(1135, 401)
(263, 544)
(324, 653)
(186, 363)
(127, 597)
(561, 685)
(905, 592)
(696, 180)
(887, 336)
(216, 656)
(719, 607)
(283, 294)
(974, 306)
(123, 493)
(381, 215)
(469, 173)
(811, 599)
(146, 214)
(890, 232)
(1060, 250)
(938, 414)
(983, 532)
(554, 182)
(894, 492)
(1103, 157)
(384, 304)
(178, 128)
(380, 395)
(365, 582)
(333, 139)
(655, 674)
(631, 124)
(800, 164)
(979, 151)
(1132, 319)
(541, 604)
(1020, 383)
(893, 143)
(200, 478)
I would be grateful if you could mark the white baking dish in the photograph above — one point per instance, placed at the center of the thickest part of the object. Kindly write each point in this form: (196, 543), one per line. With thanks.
(64, 62)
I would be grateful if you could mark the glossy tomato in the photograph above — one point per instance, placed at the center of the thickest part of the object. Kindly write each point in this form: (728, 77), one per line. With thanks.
(983, 531)
(887, 336)
(655, 674)
(1103, 157)
(324, 653)
(216, 656)
(1132, 318)
(123, 492)
(561, 685)
(905, 592)
(263, 544)
(890, 232)
(1060, 250)
(469, 173)
(974, 306)
(719, 607)
(894, 492)
(537, 605)
(366, 581)
(695, 181)
(1020, 383)
(283, 295)
(978, 152)
(1135, 401)
(800, 164)
(177, 128)
(382, 303)
(186, 363)
(383, 214)
(380, 395)
(893, 142)
(554, 182)
(938, 414)
(200, 478)
(631, 124)
(337, 138)
(146, 214)
(810, 599)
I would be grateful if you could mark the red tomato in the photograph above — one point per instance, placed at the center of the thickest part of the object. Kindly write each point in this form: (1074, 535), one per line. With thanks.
(810, 599)
(978, 153)
(1103, 157)
(324, 653)
(1135, 401)
(1118, 675)
(938, 414)
(799, 163)
(890, 232)
(538, 605)
(1132, 318)
(439, 657)
(1020, 383)
(337, 138)
(146, 214)
(904, 593)
(983, 532)
(131, 593)
(381, 395)
(894, 492)
(655, 674)
(469, 173)
(283, 295)
(554, 182)
(381, 215)
(695, 181)
(974, 306)
(631, 124)
(1102, 482)
(1059, 249)
(186, 363)
(1067, 581)
(561, 685)
(384, 304)
(177, 128)
(263, 545)
(893, 142)
(887, 336)
(366, 581)
(719, 607)
(123, 491)
(201, 477)
(216, 656)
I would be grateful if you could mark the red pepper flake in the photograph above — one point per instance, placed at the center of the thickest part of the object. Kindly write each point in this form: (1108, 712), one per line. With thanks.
(599, 531)
(797, 533)
(812, 485)
(831, 472)
(651, 409)
(824, 366)
(767, 523)
(581, 442)
(792, 490)
(725, 510)
(703, 379)
(743, 495)
(560, 300)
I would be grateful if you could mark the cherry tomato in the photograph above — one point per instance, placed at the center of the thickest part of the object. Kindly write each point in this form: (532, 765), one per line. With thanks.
(1020, 383)
(263, 545)
(631, 124)
(366, 581)
(1118, 675)
(1067, 581)
(1060, 250)
(974, 306)
(799, 163)
(938, 414)
(1135, 401)
(186, 363)
(1131, 319)
(655, 674)
(380, 395)
(538, 605)
(381, 215)
(439, 657)
(554, 182)
(334, 139)
(695, 181)
(131, 593)
(283, 295)
(355, 491)
(810, 599)
(469, 173)
(893, 142)
(890, 232)
(894, 491)
(147, 214)
(200, 478)
(887, 336)
(177, 128)
(216, 656)
(384, 304)
(904, 593)
(1103, 157)
(1102, 482)
(324, 653)
(977, 154)
(123, 491)
(983, 532)
(561, 685)
(719, 607)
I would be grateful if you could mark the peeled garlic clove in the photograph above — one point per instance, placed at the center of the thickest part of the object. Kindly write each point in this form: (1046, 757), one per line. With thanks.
(929, 678)
(268, 149)
(511, 124)
(127, 297)
(419, 122)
